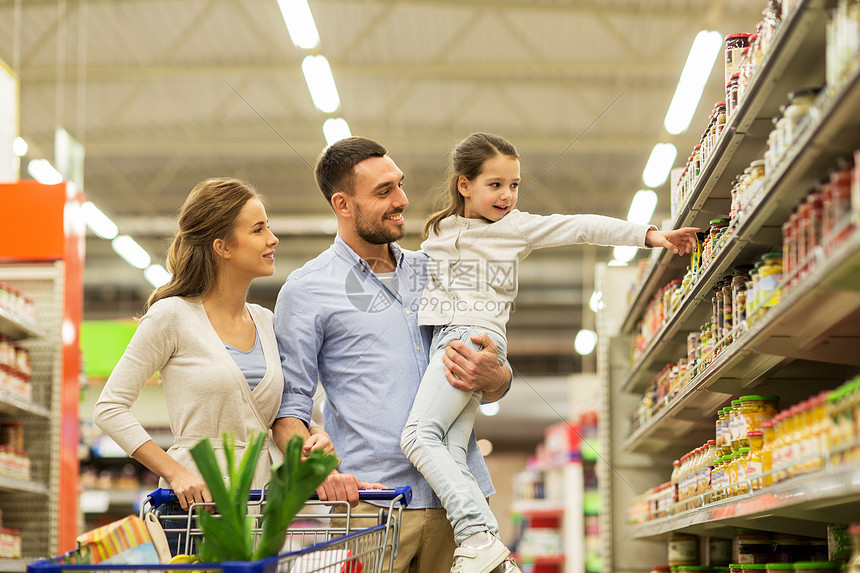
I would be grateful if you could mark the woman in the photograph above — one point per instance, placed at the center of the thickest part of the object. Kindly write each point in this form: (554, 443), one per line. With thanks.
(216, 353)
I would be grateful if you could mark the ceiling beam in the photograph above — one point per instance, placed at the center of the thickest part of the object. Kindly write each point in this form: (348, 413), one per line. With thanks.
(648, 72)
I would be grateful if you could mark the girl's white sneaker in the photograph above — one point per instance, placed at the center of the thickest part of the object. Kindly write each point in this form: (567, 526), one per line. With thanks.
(480, 559)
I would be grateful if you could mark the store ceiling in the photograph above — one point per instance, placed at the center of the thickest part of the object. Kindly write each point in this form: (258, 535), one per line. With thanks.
(164, 93)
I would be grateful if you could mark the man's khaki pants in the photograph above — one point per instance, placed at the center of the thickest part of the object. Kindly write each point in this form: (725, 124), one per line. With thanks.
(426, 539)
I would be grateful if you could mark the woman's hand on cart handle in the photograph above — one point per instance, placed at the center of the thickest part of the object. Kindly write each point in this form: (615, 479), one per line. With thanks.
(343, 487)
(189, 489)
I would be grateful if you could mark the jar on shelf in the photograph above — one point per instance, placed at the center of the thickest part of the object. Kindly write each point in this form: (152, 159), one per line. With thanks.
(754, 465)
(728, 306)
(717, 317)
(754, 410)
(734, 44)
(725, 423)
(815, 202)
(693, 341)
(797, 114)
(754, 186)
(717, 475)
(751, 546)
(770, 280)
(837, 210)
(743, 479)
(753, 567)
(735, 425)
(683, 549)
(768, 438)
(740, 277)
(713, 234)
(733, 476)
(732, 94)
(789, 244)
(747, 70)
(718, 429)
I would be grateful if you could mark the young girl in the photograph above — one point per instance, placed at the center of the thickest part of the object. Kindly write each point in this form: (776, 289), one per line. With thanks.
(216, 353)
(475, 244)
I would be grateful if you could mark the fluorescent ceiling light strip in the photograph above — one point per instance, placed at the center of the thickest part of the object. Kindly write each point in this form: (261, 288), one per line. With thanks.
(321, 83)
(98, 222)
(642, 207)
(335, 129)
(659, 164)
(585, 342)
(156, 275)
(490, 409)
(700, 62)
(42, 171)
(130, 251)
(20, 147)
(300, 23)
(624, 254)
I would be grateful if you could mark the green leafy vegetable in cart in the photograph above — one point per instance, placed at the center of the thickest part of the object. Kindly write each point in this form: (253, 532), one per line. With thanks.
(229, 537)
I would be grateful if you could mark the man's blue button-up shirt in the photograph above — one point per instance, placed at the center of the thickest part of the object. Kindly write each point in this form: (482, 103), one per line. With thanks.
(337, 323)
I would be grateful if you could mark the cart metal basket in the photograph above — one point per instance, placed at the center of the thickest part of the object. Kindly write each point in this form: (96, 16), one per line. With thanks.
(325, 537)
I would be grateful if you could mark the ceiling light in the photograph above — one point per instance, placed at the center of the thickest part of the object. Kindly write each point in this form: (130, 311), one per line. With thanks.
(321, 83)
(659, 164)
(490, 408)
(156, 275)
(486, 446)
(616, 263)
(335, 129)
(624, 254)
(42, 171)
(699, 64)
(98, 222)
(20, 147)
(128, 249)
(596, 303)
(300, 23)
(642, 207)
(585, 342)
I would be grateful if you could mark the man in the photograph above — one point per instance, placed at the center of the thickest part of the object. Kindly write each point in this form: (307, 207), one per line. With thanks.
(349, 319)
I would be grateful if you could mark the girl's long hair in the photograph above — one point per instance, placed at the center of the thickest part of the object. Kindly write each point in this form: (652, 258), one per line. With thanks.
(210, 212)
(467, 160)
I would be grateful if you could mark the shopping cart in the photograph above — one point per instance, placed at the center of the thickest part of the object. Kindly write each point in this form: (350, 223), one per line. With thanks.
(325, 537)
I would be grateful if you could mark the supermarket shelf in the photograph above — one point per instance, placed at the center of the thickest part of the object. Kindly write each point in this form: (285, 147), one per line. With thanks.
(99, 501)
(17, 328)
(788, 66)
(14, 565)
(818, 320)
(810, 157)
(539, 560)
(9, 484)
(800, 505)
(16, 407)
(538, 508)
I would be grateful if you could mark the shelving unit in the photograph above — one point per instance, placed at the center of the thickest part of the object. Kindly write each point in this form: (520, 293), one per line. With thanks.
(803, 505)
(47, 268)
(560, 512)
(806, 343)
(792, 63)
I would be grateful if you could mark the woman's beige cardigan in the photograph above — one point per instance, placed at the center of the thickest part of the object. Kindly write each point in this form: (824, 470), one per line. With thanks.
(205, 391)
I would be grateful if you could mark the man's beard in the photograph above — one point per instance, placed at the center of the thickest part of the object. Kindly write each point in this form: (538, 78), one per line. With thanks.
(376, 236)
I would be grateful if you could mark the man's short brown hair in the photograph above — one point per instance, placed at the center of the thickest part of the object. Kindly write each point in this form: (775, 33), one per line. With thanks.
(336, 162)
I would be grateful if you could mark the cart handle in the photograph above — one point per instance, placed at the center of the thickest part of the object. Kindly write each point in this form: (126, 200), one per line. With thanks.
(165, 495)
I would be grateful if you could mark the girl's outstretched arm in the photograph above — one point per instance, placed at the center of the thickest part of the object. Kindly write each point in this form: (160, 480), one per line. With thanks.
(680, 241)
